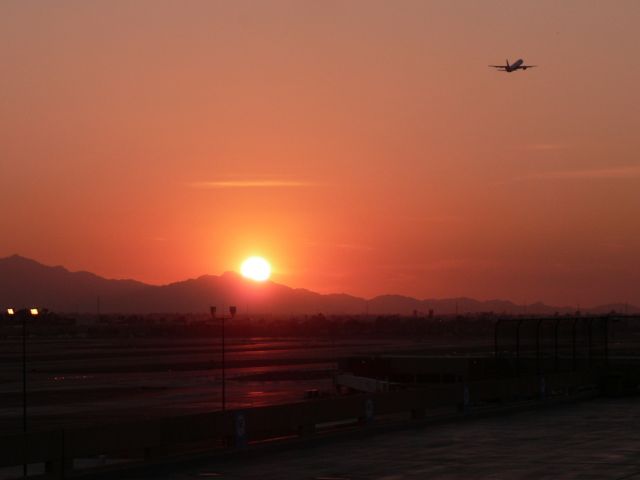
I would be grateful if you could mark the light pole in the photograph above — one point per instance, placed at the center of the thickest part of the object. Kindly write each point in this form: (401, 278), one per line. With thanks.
(232, 311)
(24, 314)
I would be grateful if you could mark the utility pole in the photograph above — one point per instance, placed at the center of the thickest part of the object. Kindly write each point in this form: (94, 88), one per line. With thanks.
(232, 312)
(24, 389)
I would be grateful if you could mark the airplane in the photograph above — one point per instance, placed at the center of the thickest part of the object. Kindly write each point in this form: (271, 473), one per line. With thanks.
(517, 65)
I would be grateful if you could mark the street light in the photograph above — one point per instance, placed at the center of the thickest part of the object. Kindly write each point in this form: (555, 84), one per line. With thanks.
(34, 312)
(232, 311)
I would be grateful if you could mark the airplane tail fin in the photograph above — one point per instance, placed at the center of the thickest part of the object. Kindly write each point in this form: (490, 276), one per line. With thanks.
(507, 63)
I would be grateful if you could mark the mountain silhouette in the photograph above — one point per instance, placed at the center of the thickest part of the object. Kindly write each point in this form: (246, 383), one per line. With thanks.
(25, 282)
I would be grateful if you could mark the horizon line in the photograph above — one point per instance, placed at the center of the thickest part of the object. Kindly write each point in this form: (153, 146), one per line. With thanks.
(365, 299)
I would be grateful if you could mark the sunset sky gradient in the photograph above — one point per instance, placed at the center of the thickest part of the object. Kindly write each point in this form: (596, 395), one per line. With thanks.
(361, 146)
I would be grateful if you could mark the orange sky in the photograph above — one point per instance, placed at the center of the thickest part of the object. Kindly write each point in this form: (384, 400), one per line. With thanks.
(361, 146)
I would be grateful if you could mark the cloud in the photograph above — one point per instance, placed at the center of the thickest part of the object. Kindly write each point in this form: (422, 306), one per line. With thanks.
(441, 219)
(341, 246)
(545, 146)
(353, 246)
(449, 264)
(250, 184)
(629, 171)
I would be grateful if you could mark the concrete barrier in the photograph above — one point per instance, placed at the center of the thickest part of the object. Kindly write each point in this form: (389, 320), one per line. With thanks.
(150, 439)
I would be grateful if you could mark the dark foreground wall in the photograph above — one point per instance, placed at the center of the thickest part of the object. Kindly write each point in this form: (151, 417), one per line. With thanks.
(147, 440)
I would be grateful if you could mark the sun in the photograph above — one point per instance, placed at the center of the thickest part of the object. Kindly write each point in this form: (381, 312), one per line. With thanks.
(256, 268)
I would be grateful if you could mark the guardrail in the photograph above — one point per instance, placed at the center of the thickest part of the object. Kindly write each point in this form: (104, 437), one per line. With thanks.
(149, 439)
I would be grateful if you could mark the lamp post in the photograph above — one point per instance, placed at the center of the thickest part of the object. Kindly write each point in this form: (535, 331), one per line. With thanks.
(34, 312)
(232, 311)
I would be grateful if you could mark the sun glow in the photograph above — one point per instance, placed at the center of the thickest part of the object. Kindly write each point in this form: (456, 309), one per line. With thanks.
(256, 268)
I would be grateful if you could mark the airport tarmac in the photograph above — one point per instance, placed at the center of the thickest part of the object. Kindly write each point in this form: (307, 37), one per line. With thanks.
(74, 382)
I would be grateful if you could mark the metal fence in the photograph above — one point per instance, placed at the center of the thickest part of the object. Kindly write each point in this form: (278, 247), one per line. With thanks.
(561, 344)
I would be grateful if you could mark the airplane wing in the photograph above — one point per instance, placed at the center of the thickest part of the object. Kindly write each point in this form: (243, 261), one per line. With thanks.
(498, 66)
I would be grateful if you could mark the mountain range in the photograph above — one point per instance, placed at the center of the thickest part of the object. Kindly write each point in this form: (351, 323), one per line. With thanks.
(25, 282)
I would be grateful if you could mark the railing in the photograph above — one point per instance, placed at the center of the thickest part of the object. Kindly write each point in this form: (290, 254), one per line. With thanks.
(585, 340)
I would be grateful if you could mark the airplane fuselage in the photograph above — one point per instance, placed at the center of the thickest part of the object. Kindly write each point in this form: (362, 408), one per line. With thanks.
(515, 66)
(512, 67)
